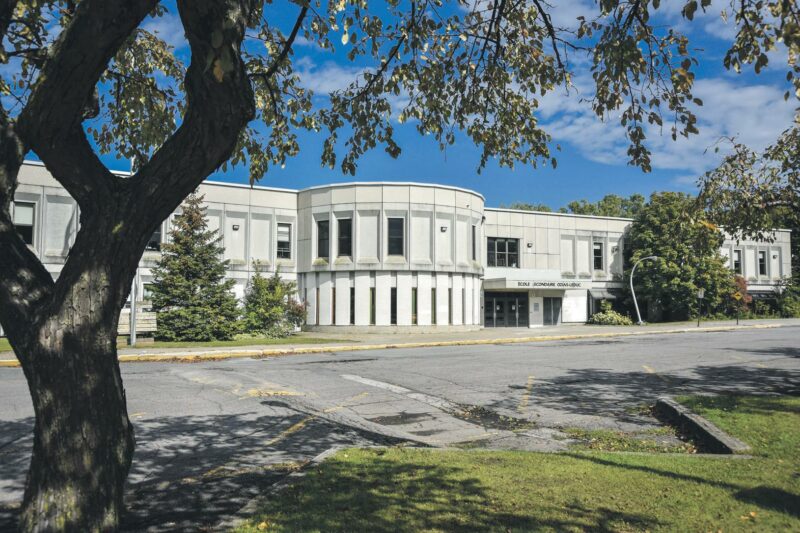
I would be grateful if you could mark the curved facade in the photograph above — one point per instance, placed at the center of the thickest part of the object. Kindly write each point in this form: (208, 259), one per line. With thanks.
(390, 254)
(395, 255)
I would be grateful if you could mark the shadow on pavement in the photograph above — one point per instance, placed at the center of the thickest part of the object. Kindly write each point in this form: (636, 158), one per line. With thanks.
(190, 472)
(620, 395)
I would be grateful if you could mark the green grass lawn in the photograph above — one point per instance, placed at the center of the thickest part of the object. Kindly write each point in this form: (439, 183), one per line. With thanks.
(250, 341)
(6, 347)
(428, 490)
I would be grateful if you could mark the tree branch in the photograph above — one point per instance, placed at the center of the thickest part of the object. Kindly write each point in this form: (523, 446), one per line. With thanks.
(273, 68)
(220, 104)
(50, 124)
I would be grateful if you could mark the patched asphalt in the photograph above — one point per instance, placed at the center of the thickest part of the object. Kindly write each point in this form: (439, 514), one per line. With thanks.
(213, 435)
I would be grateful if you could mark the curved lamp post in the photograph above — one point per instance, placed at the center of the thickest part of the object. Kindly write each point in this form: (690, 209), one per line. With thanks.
(635, 304)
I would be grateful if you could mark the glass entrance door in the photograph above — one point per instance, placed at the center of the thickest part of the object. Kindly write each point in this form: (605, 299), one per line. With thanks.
(505, 310)
(552, 311)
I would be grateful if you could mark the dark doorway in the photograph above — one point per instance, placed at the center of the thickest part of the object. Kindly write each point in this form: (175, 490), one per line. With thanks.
(505, 309)
(552, 311)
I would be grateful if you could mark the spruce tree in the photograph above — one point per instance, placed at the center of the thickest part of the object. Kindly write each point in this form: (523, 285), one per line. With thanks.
(270, 308)
(193, 299)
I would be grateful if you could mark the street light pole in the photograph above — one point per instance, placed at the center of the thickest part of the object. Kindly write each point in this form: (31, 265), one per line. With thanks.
(633, 293)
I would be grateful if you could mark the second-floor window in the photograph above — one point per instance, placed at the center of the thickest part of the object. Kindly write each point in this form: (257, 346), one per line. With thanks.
(737, 261)
(597, 255)
(474, 243)
(502, 252)
(154, 244)
(345, 237)
(396, 237)
(323, 239)
(23, 220)
(284, 247)
(762, 263)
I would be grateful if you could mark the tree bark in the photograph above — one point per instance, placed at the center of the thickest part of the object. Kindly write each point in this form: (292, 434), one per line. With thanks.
(64, 332)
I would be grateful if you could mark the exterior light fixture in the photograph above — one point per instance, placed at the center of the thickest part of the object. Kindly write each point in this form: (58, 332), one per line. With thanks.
(236, 227)
(443, 229)
(530, 245)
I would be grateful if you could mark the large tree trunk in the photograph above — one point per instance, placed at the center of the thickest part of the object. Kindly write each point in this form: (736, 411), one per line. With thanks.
(83, 439)
(64, 332)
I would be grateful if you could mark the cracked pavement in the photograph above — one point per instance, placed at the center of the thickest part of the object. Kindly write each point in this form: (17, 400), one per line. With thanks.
(213, 435)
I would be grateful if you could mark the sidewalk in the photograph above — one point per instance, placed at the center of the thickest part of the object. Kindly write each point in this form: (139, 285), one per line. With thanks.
(377, 341)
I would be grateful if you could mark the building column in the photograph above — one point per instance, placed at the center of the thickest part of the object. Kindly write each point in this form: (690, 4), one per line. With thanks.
(342, 298)
(362, 302)
(383, 287)
(424, 299)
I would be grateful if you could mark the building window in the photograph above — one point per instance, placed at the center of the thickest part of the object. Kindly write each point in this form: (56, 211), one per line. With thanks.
(333, 306)
(345, 237)
(396, 245)
(433, 307)
(737, 261)
(284, 241)
(372, 306)
(502, 252)
(154, 244)
(597, 255)
(147, 292)
(762, 263)
(414, 306)
(393, 308)
(474, 243)
(352, 306)
(316, 308)
(450, 306)
(23, 220)
(323, 239)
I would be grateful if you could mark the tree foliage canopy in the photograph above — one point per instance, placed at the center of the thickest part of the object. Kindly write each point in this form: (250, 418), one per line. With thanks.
(670, 227)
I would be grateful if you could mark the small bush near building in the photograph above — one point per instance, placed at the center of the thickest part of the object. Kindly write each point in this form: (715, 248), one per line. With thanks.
(788, 301)
(609, 317)
(270, 308)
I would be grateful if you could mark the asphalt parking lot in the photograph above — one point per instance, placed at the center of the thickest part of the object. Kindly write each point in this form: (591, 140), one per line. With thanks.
(213, 435)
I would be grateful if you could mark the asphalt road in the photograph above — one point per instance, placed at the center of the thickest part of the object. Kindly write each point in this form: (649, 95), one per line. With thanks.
(213, 435)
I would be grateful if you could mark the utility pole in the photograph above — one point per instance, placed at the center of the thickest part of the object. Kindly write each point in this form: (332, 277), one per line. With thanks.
(633, 293)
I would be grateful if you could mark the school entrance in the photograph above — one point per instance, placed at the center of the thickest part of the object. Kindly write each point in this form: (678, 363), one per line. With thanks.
(505, 309)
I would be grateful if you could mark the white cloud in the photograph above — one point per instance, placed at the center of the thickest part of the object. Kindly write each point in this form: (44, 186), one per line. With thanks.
(169, 28)
(754, 114)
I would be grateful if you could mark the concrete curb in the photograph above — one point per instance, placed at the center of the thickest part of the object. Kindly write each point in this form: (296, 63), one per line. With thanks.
(202, 356)
(709, 436)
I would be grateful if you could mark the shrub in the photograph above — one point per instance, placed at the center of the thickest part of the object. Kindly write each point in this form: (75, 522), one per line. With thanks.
(270, 308)
(609, 317)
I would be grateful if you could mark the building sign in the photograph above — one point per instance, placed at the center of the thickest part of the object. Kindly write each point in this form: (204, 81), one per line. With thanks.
(559, 285)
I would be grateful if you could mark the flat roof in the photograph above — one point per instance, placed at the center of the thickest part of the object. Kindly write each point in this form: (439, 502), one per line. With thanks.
(551, 213)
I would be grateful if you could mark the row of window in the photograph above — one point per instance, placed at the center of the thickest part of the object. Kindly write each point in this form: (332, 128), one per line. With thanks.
(503, 252)
(395, 240)
(762, 262)
(393, 306)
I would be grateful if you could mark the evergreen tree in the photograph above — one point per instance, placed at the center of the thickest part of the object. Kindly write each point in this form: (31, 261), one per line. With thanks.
(671, 226)
(193, 299)
(269, 306)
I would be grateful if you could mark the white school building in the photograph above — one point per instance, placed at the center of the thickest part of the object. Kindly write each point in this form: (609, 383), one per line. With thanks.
(394, 255)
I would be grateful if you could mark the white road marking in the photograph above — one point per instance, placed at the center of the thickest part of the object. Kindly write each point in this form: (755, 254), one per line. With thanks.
(434, 401)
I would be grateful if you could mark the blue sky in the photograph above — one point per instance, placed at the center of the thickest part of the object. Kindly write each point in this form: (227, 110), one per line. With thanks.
(592, 161)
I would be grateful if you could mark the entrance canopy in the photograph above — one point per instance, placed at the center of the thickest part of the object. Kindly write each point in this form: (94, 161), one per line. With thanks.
(602, 294)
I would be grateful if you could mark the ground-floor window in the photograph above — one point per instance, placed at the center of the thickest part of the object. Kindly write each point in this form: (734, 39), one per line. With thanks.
(352, 306)
(414, 307)
(393, 307)
(433, 307)
(372, 306)
(450, 306)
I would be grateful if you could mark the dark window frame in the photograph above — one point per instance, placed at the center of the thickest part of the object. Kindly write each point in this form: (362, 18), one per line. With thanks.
(474, 242)
(323, 239)
(762, 265)
(737, 262)
(344, 240)
(283, 252)
(393, 306)
(502, 252)
(598, 246)
(28, 232)
(395, 244)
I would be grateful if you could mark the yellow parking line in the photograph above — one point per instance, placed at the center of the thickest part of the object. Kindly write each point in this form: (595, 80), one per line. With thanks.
(523, 402)
(651, 370)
